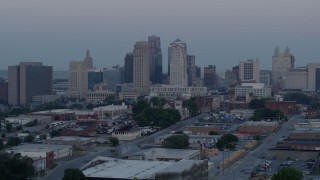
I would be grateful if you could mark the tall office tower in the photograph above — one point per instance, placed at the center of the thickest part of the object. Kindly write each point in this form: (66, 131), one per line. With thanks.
(281, 63)
(155, 59)
(128, 68)
(265, 77)
(78, 79)
(112, 77)
(210, 77)
(198, 72)
(230, 78)
(94, 77)
(177, 52)
(191, 69)
(141, 64)
(28, 79)
(235, 70)
(313, 76)
(249, 70)
(3, 91)
(88, 60)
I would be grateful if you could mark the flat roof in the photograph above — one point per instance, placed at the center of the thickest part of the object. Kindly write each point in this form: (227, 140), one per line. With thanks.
(180, 166)
(125, 169)
(155, 153)
(39, 147)
(260, 123)
(70, 138)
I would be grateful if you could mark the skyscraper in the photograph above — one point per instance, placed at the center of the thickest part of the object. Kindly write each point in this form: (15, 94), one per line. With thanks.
(177, 61)
(191, 69)
(249, 70)
(94, 77)
(281, 63)
(28, 79)
(155, 59)
(141, 64)
(78, 77)
(128, 68)
(210, 77)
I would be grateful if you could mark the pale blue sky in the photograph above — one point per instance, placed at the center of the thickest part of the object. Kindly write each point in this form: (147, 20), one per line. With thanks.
(217, 32)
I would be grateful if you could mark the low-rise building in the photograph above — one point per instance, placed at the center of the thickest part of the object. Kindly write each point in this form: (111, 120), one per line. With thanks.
(99, 94)
(299, 145)
(57, 114)
(173, 91)
(287, 107)
(255, 89)
(41, 99)
(25, 119)
(258, 127)
(90, 131)
(244, 113)
(111, 110)
(306, 135)
(105, 168)
(308, 125)
(203, 130)
(127, 135)
(78, 142)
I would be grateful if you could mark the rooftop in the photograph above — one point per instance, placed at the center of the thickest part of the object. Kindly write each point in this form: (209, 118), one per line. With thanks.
(39, 147)
(164, 153)
(260, 123)
(70, 138)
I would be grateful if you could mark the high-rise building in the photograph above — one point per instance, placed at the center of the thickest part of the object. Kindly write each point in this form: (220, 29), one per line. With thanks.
(155, 59)
(3, 91)
(28, 79)
(112, 77)
(265, 77)
(198, 72)
(128, 68)
(141, 64)
(249, 71)
(177, 53)
(94, 77)
(281, 63)
(88, 60)
(191, 69)
(78, 77)
(210, 77)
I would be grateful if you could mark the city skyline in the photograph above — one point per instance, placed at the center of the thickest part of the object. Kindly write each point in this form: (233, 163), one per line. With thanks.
(215, 32)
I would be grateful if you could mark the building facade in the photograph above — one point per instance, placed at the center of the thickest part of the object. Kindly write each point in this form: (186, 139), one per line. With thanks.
(191, 69)
(265, 77)
(78, 79)
(253, 89)
(249, 70)
(94, 77)
(171, 92)
(28, 79)
(210, 77)
(155, 59)
(177, 53)
(112, 77)
(281, 63)
(3, 92)
(141, 64)
(128, 68)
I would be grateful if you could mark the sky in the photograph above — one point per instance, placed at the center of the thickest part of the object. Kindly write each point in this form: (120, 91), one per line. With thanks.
(221, 33)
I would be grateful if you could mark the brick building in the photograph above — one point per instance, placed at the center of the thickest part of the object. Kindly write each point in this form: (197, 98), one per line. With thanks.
(257, 127)
(203, 130)
(287, 107)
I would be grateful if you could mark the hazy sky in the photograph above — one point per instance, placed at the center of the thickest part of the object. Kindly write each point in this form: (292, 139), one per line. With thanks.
(216, 32)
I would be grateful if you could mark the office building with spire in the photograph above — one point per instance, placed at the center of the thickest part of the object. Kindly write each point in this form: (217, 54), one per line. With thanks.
(155, 59)
(281, 63)
(177, 61)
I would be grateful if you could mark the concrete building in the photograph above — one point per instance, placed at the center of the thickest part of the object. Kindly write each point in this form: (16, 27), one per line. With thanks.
(105, 168)
(265, 77)
(25, 119)
(112, 77)
(78, 79)
(41, 99)
(210, 77)
(177, 60)
(74, 141)
(191, 69)
(254, 89)
(94, 77)
(281, 63)
(249, 70)
(313, 76)
(141, 64)
(305, 135)
(173, 91)
(127, 135)
(128, 68)
(99, 93)
(155, 59)
(111, 110)
(3, 92)
(28, 79)
(230, 78)
(257, 127)
(244, 113)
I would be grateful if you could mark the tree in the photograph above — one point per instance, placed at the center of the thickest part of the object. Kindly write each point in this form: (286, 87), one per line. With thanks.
(8, 127)
(157, 101)
(43, 137)
(192, 106)
(13, 141)
(227, 141)
(19, 128)
(177, 141)
(15, 167)
(257, 103)
(114, 141)
(265, 113)
(54, 133)
(1, 144)
(29, 138)
(140, 106)
(288, 173)
(111, 99)
(73, 174)
(3, 135)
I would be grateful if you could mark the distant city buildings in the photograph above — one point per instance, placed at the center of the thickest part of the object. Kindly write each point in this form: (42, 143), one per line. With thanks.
(249, 71)
(191, 69)
(112, 77)
(281, 63)
(26, 80)
(210, 77)
(155, 59)
(141, 64)
(128, 68)
(265, 77)
(3, 92)
(94, 77)
(177, 53)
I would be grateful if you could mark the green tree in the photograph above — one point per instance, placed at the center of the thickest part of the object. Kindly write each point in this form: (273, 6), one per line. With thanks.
(299, 97)
(227, 141)
(55, 133)
(192, 106)
(114, 141)
(19, 128)
(43, 137)
(73, 174)
(140, 106)
(288, 173)
(265, 113)
(15, 167)
(1, 144)
(29, 138)
(257, 103)
(111, 99)
(3, 135)
(13, 141)
(177, 141)
(157, 101)
(9, 127)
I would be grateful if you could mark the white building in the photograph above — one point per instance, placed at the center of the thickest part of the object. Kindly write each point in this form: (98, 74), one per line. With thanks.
(172, 91)
(78, 79)
(249, 70)
(256, 89)
(178, 63)
(127, 135)
(23, 119)
(99, 94)
(111, 110)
